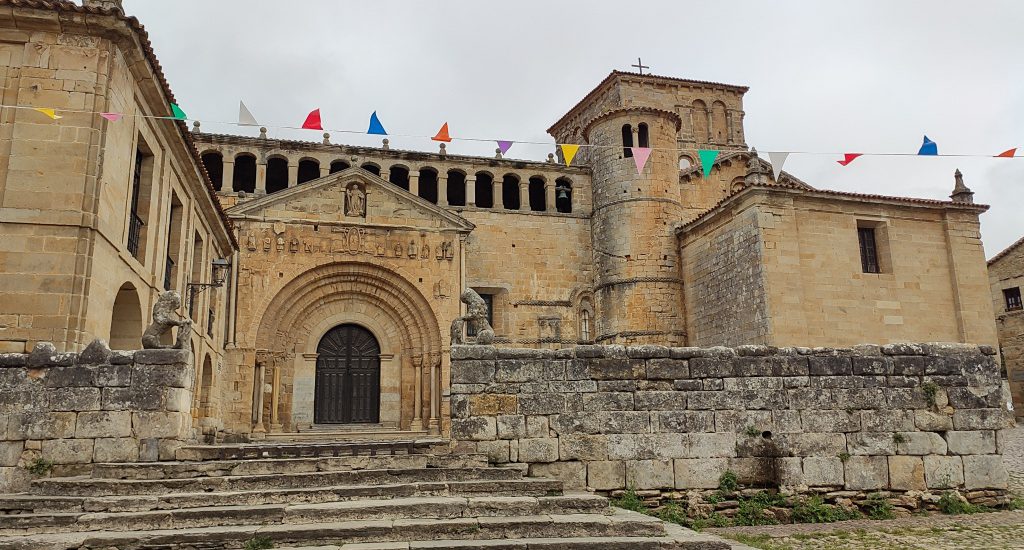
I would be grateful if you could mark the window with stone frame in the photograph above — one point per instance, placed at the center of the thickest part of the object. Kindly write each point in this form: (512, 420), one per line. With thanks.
(873, 241)
(585, 325)
(1012, 297)
(138, 208)
(489, 300)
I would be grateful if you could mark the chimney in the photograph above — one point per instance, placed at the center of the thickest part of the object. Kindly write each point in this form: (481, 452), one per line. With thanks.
(961, 193)
(112, 5)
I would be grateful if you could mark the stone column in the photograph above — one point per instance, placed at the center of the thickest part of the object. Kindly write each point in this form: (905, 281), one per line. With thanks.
(435, 402)
(549, 197)
(228, 176)
(417, 415)
(414, 183)
(524, 195)
(325, 170)
(711, 128)
(275, 399)
(499, 197)
(259, 379)
(442, 190)
(293, 173)
(470, 190)
(261, 178)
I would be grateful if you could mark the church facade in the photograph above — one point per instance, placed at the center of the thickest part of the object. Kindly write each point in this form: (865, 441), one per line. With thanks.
(347, 263)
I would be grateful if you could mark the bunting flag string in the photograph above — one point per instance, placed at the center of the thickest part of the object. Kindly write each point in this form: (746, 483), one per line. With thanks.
(442, 134)
(707, 160)
(848, 158)
(778, 159)
(245, 117)
(313, 121)
(569, 152)
(640, 156)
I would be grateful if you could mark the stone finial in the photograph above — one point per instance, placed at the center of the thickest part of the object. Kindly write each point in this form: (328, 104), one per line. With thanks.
(387, 143)
(497, 153)
(755, 172)
(263, 132)
(961, 193)
(442, 150)
(551, 158)
(195, 127)
(104, 4)
(327, 138)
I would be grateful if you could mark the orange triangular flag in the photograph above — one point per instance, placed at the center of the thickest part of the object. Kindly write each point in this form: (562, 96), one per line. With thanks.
(1008, 153)
(442, 134)
(49, 112)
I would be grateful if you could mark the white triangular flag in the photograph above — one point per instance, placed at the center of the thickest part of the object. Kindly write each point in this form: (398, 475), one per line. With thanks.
(245, 118)
(777, 160)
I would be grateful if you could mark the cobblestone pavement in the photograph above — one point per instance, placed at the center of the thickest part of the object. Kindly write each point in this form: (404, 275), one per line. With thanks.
(1003, 530)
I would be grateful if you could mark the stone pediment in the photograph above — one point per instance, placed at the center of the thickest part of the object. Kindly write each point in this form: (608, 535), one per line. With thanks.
(352, 196)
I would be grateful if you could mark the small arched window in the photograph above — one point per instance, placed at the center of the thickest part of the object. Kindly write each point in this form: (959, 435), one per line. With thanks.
(627, 140)
(309, 170)
(643, 140)
(456, 191)
(428, 184)
(371, 168)
(584, 325)
(510, 192)
(563, 195)
(244, 178)
(214, 164)
(399, 175)
(484, 190)
(538, 200)
(338, 166)
(277, 174)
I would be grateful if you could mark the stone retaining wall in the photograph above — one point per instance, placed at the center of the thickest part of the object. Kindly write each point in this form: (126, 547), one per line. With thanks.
(900, 417)
(71, 410)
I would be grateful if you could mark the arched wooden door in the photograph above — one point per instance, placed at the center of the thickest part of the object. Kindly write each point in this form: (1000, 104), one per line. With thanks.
(347, 377)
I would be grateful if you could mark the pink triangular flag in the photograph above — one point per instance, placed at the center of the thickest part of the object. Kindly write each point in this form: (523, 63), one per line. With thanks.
(112, 117)
(640, 156)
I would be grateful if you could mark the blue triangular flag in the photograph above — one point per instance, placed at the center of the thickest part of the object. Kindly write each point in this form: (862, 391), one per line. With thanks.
(929, 147)
(375, 126)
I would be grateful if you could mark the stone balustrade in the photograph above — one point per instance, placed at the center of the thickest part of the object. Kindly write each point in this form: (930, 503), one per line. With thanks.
(898, 417)
(69, 410)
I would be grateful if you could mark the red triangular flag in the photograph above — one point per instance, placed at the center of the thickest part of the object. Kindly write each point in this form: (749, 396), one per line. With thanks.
(442, 134)
(1008, 153)
(313, 121)
(848, 158)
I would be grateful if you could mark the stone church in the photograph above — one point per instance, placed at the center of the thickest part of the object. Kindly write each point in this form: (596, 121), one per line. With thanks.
(322, 278)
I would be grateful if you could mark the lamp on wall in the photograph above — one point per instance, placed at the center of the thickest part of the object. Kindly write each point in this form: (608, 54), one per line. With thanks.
(220, 270)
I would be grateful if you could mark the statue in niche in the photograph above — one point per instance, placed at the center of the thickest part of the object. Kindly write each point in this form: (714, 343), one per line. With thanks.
(164, 318)
(355, 199)
(266, 244)
(398, 250)
(250, 242)
(475, 317)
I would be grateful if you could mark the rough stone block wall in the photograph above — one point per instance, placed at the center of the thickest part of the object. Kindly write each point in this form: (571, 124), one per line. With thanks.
(72, 410)
(898, 417)
(1006, 272)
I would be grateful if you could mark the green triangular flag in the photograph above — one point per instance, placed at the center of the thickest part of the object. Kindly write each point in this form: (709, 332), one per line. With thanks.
(177, 113)
(707, 160)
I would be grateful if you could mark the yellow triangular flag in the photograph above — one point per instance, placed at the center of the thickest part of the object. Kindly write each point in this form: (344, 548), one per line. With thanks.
(569, 152)
(50, 113)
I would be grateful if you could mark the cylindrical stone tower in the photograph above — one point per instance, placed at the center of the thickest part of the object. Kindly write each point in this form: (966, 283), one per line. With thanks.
(638, 282)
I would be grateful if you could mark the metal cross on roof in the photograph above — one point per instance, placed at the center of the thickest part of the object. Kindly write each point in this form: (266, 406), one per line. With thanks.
(640, 66)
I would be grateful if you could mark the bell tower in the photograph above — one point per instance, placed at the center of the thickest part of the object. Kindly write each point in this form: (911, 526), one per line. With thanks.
(638, 285)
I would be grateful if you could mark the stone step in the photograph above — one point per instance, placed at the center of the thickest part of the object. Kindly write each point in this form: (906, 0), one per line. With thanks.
(596, 526)
(572, 543)
(324, 446)
(239, 467)
(274, 514)
(87, 486)
(526, 487)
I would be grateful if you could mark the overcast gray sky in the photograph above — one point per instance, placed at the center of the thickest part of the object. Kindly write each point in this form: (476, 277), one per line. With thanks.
(823, 76)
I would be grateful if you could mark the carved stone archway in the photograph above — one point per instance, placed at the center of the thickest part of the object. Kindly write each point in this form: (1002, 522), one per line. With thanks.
(372, 296)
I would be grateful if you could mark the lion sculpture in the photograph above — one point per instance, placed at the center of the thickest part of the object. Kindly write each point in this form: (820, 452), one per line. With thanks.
(475, 317)
(164, 318)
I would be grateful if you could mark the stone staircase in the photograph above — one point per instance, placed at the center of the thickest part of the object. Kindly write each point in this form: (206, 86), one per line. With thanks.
(353, 496)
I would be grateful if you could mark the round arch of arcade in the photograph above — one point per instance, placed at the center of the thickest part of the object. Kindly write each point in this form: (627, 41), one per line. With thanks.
(375, 298)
